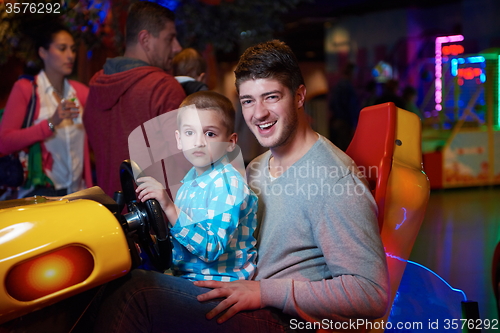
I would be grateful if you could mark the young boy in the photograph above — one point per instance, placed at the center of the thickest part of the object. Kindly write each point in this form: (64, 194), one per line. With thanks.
(214, 215)
(188, 68)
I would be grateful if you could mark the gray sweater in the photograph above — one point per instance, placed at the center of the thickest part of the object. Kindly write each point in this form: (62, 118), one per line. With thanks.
(319, 250)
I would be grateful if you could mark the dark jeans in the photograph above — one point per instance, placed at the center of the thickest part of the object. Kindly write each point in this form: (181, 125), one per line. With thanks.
(144, 301)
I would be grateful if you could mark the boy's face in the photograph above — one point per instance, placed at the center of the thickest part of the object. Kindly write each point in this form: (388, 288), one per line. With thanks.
(203, 138)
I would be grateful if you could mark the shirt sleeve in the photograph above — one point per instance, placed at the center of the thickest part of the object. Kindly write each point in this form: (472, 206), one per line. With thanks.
(348, 236)
(209, 236)
(13, 137)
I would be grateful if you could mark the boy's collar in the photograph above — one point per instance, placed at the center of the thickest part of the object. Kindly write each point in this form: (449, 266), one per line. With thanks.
(217, 165)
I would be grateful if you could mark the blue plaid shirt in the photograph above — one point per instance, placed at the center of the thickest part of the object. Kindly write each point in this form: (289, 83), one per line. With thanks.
(213, 236)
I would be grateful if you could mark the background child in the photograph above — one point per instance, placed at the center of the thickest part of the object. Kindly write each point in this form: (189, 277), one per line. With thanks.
(214, 215)
(189, 67)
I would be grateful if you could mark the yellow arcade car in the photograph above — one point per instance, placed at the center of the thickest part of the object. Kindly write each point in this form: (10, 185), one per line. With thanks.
(54, 248)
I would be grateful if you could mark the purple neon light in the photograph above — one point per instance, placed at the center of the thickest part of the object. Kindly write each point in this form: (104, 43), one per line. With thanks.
(438, 69)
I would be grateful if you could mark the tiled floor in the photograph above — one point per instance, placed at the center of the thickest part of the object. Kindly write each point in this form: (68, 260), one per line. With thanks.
(457, 239)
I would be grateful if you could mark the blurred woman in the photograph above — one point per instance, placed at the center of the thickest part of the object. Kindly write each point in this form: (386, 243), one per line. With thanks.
(64, 166)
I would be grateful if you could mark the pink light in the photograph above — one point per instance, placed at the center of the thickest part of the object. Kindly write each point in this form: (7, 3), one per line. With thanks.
(449, 39)
(438, 69)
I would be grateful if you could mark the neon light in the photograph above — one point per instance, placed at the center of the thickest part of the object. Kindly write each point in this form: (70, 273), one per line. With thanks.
(449, 39)
(429, 270)
(469, 73)
(475, 60)
(454, 67)
(438, 69)
(404, 220)
(498, 91)
(453, 50)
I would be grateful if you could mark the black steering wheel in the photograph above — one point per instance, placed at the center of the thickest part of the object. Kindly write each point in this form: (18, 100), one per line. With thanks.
(146, 219)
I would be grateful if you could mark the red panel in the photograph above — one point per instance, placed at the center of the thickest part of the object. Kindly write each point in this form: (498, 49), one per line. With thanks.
(372, 148)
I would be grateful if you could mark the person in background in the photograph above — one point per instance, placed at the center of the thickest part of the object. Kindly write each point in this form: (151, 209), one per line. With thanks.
(409, 96)
(189, 69)
(390, 94)
(59, 160)
(344, 107)
(369, 94)
(132, 89)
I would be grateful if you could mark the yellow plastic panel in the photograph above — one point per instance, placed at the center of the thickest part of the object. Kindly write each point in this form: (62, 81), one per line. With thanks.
(408, 191)
(53, 250)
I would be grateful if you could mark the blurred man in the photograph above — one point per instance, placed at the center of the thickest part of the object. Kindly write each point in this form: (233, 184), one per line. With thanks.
(132, 89)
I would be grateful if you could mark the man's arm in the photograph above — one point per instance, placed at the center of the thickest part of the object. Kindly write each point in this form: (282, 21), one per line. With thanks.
(346, 231)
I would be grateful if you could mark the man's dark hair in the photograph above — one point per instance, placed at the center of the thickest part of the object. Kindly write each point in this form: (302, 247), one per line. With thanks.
(145, 15)
(269, 60)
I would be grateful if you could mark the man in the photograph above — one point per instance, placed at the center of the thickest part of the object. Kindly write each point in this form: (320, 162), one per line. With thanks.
(344, 108)
(132, 89)
(319, 251)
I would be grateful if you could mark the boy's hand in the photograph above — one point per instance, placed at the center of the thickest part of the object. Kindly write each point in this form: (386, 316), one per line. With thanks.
(150, 188)
(239, 296)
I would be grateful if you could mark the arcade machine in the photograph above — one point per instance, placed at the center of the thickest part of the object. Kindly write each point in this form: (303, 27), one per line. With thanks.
(463, 149)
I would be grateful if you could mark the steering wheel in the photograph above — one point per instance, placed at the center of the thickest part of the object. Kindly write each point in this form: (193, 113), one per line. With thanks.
(146, 219)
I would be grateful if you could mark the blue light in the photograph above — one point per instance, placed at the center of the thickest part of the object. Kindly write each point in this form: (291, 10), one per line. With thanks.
(461, 60)
(482, 77)
(170, 4)
(454, 67)
(102, 11)
(475, 60)
(429, 270)
(404, 219)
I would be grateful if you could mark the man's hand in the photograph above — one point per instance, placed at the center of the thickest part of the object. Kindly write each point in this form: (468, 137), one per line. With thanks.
(239, 296)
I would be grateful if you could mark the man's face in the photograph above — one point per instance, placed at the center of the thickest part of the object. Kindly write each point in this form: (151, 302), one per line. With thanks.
(203, 138)
(270, 111)
(164, 47)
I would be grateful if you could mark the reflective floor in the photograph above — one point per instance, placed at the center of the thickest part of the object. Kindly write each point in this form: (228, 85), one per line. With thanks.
(457, 239)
